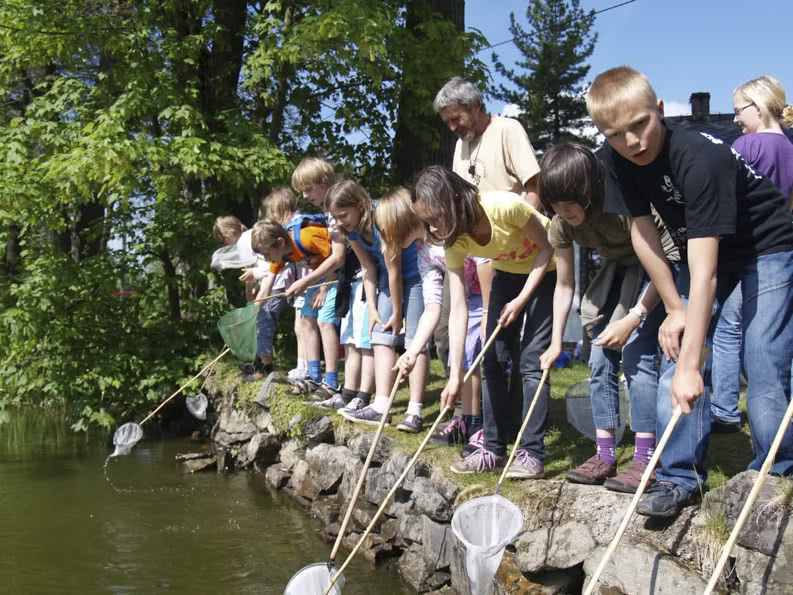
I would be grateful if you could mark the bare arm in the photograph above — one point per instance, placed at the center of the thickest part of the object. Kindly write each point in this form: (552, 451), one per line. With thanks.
(394, 267)
(537, 234)
(426, 326)
(334, 260)
(562, 299)
(369, 281)
(265, 287)
(532, 195)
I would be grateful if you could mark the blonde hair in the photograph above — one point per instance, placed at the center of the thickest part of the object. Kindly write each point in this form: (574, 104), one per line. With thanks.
(313, 170)
(616, 87)
(787, 116)
(280, 204)
(226, 227)
(351, 195)
(266, 234)
(768, 95)
(396, 221)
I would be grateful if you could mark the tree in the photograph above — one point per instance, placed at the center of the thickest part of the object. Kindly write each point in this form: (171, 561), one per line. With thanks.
(550, 85)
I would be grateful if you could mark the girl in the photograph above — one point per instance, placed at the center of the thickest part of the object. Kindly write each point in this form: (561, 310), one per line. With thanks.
(508, 230)
(399, 227)
(392, 287)
(571, 185)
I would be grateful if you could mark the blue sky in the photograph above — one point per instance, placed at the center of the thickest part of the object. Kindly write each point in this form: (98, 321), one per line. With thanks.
(683, 46)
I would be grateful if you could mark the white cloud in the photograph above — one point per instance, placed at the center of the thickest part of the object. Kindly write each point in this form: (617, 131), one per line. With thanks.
(511, 110)
(675, 108)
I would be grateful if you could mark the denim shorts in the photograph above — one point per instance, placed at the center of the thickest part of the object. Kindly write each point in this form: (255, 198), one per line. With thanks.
(266, 324)
(327, 311)
(355, 325)
(412, 309)
(473, 336)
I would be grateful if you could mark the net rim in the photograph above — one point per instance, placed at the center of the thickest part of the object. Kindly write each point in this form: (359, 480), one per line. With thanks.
(337, 586)
(503, 502)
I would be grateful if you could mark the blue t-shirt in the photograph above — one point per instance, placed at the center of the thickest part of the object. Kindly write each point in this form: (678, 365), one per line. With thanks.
(410, 257)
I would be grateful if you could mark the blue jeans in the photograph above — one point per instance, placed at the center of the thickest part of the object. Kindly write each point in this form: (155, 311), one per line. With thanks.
(497, 416)
(725, 370)
(266, 325)
(638, 363)
(767, 310)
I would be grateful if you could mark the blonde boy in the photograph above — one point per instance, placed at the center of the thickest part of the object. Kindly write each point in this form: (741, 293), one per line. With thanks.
(733, 228)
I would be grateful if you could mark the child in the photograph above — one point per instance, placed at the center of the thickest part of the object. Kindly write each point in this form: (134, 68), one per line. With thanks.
(231, 231)
(312, 177)
(571, 186)
(733, 229)
(508, 230)
(392, 287)
(307, 241)
(399, 227)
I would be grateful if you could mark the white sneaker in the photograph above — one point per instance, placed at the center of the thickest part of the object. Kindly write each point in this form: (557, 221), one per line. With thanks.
(354, 405)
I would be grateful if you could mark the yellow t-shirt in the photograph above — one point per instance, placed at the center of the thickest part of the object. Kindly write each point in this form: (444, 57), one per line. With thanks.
(510, 249)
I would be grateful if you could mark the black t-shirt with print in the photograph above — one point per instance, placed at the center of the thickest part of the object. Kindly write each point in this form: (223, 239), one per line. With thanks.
(702, 188)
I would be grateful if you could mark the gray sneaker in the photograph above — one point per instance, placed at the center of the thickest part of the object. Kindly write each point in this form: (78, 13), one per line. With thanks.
(480, 461)
(411, 423)
(354, 405)
(334, 403)
(525, 466)
(367, 415)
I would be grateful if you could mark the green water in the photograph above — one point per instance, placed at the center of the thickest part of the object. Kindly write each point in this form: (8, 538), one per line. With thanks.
(65, 528)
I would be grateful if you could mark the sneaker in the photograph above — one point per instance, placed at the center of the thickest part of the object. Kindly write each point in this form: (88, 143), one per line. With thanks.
(475, 442)
(525, 466)
(593, 472)
(365, 415)
(452, 433)
(665, 500)
(718, 426)
(296, 374)
(355, 404)
(334, 403)
(480, 461)
(323, 392)
(411, 423)
(628, 481)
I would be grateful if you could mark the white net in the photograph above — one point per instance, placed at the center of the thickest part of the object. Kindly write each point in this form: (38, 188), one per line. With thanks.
(485, 526)
(314, 580)
(230, 257)
(197, 406)
(125, 438)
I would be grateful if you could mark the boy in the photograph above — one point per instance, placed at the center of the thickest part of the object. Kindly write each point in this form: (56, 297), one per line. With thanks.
(307, 242)
(732, 227)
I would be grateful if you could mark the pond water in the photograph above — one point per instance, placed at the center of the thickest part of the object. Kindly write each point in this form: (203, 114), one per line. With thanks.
(142, 525)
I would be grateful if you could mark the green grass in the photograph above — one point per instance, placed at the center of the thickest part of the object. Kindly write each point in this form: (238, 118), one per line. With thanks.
(565, 446)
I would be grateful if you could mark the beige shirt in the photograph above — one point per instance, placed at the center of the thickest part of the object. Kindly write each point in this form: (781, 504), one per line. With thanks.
(502, 158)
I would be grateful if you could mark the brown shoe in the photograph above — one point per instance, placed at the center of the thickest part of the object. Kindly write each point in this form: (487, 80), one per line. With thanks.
(628, 481)
(593, 472)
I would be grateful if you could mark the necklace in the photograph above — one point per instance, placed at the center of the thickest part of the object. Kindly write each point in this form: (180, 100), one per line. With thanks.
(472, 159)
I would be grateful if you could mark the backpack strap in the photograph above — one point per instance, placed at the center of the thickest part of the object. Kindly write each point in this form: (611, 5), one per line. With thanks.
(293, 229)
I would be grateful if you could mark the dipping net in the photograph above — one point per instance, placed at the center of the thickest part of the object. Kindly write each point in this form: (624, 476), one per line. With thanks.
(238, 329)
(485, 526)
(230, 257)
(125, 438)
(314, 580)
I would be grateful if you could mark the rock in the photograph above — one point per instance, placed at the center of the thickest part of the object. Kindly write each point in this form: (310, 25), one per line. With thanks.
(302, 483)
(362, 515)
(294, 420)
(233, 427)
(360, 445)
(759, 574)
(291, 452)
(380, 481)
(351, 475)
(419, 573)
(225, 461)
(428, 500)
(264, 423)
(327, 465)
(202, 464)
(188, 456)
(531, 549)
(410, 529)
(262, 449)
(263, 396)
(570, 544)
(276, 476)
(325, 509)
(637, 567)
(318, 429)
(437, 540)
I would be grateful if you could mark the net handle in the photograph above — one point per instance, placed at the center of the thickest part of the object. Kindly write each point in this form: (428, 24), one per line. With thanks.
(635, 501)
(366, 464)
(430, 432)
(523, 428)
(282, 294)
(186, 384)
(764, 471)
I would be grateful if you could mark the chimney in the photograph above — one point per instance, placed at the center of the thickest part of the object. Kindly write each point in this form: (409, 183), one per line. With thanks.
(700, 105)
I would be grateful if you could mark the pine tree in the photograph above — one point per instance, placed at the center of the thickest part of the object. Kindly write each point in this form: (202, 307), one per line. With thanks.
(550, 80)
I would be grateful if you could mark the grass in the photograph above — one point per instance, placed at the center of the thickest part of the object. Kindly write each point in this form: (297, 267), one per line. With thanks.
(566, 448)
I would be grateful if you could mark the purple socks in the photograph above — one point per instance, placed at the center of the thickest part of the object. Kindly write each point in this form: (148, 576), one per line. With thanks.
(644, 449)
(607, 449)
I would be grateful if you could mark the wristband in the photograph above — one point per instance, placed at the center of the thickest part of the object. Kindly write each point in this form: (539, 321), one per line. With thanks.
(639, 313)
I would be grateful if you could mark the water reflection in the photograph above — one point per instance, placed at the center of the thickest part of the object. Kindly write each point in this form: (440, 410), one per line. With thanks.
(65, 529)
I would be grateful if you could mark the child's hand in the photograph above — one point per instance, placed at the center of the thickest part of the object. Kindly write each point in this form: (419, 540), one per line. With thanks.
(451, 393)
(319, 297)
(512, 311)
(549, 357)
(297, 288)
(669, 334)
(405, 364)
(616, 334)
(394, 323)
(686, 387)
(374, 318)
(247, 276)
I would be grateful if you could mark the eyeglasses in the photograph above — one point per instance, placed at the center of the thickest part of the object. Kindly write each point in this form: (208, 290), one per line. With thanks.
(739, 110)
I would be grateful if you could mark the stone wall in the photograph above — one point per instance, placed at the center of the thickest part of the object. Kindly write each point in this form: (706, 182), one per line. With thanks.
(566, 530)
